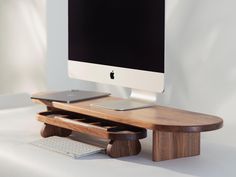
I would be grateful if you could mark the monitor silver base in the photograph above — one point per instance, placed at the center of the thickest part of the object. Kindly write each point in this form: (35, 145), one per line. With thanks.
(138, 100)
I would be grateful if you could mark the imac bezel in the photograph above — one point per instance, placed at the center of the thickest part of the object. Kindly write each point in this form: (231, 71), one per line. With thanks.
(125, 77)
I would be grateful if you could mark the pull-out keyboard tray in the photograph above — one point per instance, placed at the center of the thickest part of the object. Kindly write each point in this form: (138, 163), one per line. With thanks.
(124, 139)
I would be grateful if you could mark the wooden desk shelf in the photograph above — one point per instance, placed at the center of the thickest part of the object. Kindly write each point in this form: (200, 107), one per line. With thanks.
(176, 133)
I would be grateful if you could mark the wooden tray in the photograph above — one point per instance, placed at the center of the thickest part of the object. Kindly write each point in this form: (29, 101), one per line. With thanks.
(92, 126)
(124, 139)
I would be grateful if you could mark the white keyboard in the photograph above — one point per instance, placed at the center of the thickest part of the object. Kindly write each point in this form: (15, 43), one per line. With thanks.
(67, 146)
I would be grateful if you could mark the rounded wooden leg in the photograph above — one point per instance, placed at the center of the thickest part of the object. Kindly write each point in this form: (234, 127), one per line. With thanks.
(117, 148)
(173, 145)
(50, 130)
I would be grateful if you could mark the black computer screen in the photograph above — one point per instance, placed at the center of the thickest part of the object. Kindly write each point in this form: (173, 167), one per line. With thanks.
(123, 33)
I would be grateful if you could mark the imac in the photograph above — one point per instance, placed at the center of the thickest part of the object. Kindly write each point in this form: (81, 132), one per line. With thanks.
(119, 42)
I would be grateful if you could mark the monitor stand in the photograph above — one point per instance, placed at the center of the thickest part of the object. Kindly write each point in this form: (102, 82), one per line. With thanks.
(137, 100)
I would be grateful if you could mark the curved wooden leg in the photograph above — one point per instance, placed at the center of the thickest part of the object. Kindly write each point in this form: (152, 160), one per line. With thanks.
(50, 130)
(117, 148)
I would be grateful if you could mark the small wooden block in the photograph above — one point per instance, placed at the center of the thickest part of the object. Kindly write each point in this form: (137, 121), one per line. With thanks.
(117, 148)
(50, 130)
(172, 145)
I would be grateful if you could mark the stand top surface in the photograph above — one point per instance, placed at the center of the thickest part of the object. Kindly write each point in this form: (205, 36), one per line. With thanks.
(155, 118)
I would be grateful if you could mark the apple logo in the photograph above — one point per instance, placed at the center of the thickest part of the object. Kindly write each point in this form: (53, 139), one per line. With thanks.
(112, 75)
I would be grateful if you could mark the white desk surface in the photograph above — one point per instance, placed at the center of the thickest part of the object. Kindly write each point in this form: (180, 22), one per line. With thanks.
(18, 158)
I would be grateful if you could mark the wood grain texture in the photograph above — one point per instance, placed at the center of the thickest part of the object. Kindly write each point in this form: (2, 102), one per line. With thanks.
(50, 130)
(118, 148)
(75, 126)
(172, 145)
(155, 118)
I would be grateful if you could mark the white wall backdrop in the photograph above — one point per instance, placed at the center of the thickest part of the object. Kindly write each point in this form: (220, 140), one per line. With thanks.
(22, 46)
(200, 62)
(200, 55)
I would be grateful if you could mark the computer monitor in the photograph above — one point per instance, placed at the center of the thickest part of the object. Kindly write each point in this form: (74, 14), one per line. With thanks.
(119, 42)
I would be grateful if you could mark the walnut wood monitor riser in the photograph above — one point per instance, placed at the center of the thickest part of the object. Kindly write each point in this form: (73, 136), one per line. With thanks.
(176, 133)
(124, 139)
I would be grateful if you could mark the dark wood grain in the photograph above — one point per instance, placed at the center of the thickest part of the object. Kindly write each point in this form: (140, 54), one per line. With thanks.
(50, 130)
(154, 118)
(172, 145)
(117, 148)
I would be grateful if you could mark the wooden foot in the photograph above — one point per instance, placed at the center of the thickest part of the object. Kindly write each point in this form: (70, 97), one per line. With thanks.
(117, 148)
(50, 130)
(172, 145)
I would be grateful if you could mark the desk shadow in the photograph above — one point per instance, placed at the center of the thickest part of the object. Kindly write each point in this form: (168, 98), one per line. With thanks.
(215, 161)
